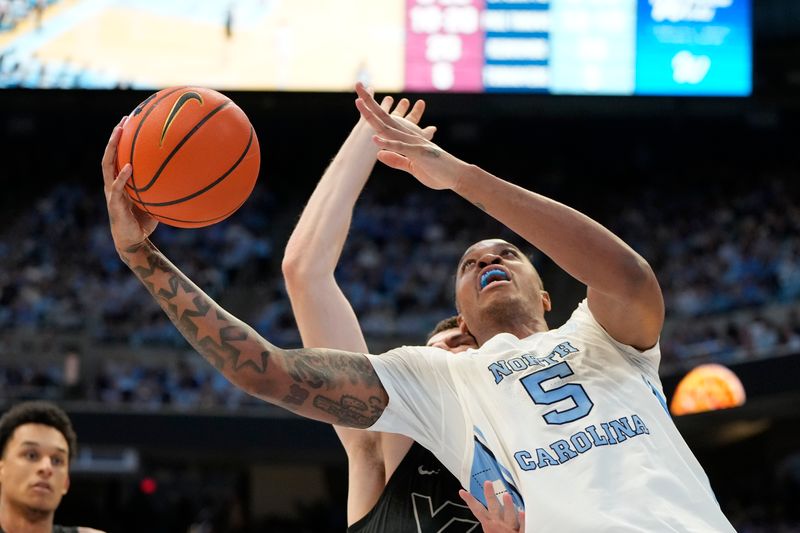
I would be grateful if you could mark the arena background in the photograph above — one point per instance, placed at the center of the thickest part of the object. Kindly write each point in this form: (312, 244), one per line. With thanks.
(706, 189)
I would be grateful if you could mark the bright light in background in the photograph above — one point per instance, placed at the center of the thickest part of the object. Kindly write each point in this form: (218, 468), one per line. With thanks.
(707, 388)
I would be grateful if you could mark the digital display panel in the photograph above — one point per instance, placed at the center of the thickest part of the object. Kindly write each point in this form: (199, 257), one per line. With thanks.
(613, 47)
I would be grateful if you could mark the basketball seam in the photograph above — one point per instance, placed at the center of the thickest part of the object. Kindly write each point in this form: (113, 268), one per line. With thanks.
(132, 183)
(217, 219)
(180, 145)
(213, 183)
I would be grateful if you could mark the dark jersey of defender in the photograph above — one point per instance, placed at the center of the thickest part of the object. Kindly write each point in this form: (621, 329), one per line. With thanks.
(420, 497)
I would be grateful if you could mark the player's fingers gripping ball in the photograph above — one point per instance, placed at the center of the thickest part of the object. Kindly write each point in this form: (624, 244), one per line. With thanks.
(194, 153)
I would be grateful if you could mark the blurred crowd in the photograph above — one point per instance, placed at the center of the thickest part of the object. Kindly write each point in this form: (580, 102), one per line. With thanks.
(12, 12)
(729, 265)
(22, 67)
(728, 262)
(182, 383)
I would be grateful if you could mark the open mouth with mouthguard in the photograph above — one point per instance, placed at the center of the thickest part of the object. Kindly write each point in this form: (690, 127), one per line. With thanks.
(493, 276)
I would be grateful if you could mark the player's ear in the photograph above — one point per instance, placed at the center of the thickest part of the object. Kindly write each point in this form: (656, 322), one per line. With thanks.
(546, 300)
(462, 325)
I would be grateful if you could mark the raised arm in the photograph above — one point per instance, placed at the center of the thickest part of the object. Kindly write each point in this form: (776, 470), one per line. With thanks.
(332, 386)
(623, 291)
(322, 312)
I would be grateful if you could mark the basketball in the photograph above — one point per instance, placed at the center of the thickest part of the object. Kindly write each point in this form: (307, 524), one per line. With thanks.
(707, 388)
(194, 153)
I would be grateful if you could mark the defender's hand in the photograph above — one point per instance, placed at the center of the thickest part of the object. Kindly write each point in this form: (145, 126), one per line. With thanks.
(499, 517)
(407, 116)
(406, 149)
(129, 224)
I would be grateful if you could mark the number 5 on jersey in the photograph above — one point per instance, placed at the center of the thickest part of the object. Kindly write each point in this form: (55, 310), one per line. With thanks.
(534, 384)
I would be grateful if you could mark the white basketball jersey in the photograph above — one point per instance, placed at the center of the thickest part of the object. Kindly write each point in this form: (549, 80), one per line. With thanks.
(571, 422)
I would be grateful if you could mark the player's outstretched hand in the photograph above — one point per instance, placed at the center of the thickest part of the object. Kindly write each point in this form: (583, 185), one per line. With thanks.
(407, 116)
(406, 148)
(129, 224)
(498, 517)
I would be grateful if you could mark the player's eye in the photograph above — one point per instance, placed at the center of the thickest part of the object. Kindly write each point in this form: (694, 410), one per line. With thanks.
(31, 455)
(509, 252)
(466, 264)
(57, 460)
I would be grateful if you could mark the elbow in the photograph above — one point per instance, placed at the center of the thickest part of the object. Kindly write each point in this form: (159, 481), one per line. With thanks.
(302, 269)
(645, 289)
(291, 265)
(259, 387)
(640, 278)
(296, 266)
(640, 271)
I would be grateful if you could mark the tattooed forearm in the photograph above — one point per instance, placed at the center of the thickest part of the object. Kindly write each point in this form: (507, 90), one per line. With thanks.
(252, 363)
(224, 341)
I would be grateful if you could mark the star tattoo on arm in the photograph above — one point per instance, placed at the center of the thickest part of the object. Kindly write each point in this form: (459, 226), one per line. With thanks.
(328, 385)
(183, 301)
(209, 326)
(249, 353)
(161, 281)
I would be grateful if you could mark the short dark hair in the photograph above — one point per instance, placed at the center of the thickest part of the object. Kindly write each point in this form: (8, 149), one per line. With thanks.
(447, 323)
(527, 257)
(44, 413)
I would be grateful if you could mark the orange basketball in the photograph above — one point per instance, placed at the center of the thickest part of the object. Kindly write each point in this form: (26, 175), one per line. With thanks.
(707, 388)
(194, 153)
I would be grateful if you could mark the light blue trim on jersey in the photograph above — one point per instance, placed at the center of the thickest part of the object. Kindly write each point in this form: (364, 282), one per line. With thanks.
(485, 467)
(658, 394)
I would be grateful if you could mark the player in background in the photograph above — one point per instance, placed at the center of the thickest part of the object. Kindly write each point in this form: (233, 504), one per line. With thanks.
(394, 484)
(36, 444)
(570, 420)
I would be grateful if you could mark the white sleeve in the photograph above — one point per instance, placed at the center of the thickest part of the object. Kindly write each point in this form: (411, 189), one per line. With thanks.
(646, 360)
(423, 403)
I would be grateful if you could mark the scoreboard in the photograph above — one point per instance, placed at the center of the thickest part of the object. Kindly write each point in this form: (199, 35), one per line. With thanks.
(619, 47)
(608, 47)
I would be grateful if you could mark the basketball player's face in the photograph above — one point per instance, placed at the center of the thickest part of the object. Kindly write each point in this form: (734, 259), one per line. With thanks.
(453, 340)
(34, 469)
(494, 277)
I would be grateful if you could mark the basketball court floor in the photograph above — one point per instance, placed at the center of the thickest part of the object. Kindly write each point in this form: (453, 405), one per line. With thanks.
(242, 44)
